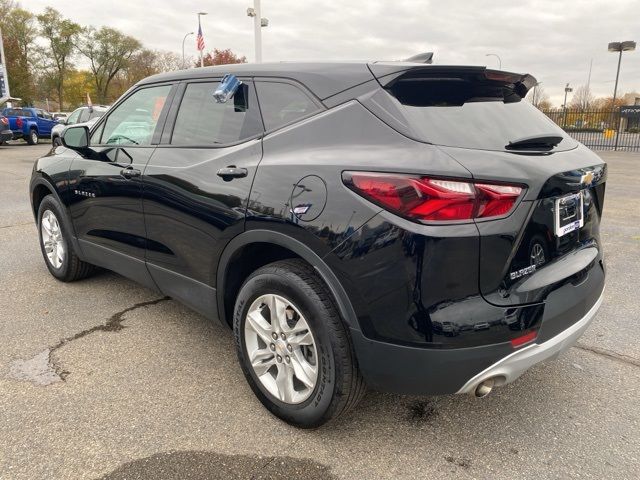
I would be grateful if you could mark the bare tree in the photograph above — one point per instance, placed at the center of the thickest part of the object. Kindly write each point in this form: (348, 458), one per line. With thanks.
(539, 98)
(582, 99)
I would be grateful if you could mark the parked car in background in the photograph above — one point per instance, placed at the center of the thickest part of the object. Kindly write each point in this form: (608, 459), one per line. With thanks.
(5, 132)
(86, 115)
(29, 123)
(415, 228)
(60, 115)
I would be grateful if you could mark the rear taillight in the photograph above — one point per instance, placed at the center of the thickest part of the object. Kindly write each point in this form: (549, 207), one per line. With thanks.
(433, 199)
(19, 122)
(4, 121)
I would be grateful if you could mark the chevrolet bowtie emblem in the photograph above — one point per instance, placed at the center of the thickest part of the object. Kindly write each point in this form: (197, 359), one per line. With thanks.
(586, 179)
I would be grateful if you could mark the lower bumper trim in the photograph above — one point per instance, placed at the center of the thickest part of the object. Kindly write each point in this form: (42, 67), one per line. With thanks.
(509, 368)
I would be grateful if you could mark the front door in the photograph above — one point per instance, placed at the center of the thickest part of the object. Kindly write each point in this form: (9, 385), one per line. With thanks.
(106, 186)
(196, 188)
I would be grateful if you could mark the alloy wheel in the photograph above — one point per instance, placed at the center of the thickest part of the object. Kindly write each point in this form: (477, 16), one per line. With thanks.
(281, 348)
(52, 240)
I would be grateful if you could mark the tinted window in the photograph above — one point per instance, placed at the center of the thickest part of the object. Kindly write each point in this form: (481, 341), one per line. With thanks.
(96, 113)
(283, 103)
(472, 114)
(134, 120)
(84, 115)
(16, 112)
(203, 121)
(73, 118)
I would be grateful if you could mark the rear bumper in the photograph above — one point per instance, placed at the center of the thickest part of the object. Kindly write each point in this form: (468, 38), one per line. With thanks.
(512, 366)
(6, 135)
(428, 371)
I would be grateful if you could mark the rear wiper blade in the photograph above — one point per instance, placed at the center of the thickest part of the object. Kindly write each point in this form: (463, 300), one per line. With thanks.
(535, 142)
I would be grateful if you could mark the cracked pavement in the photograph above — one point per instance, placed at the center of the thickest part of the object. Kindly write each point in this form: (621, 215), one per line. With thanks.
(163, 397)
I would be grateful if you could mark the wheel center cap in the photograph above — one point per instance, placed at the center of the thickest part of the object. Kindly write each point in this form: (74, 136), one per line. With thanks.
(281, 348)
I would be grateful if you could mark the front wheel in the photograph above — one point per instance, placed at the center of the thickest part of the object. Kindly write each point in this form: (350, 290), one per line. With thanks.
(32, 138)
(293, 347)
(55, 243)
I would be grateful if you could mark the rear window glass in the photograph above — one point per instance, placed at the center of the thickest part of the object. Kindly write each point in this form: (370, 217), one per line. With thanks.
(283, 103)
(17, 112)
(471, 114)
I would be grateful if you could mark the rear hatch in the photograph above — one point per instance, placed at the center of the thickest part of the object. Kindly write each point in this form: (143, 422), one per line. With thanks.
(479, 118)
(16, 118)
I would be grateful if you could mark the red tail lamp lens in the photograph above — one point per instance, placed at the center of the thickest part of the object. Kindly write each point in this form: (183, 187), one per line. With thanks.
(526, 338)
(433, 199)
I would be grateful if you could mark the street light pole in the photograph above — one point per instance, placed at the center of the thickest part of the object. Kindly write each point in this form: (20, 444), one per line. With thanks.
(498, 57)
(620, 47)
(183, 40)
(567, 89)
(258, 23)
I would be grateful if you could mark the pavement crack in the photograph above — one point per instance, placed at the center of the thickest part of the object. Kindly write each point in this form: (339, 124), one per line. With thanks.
(43, 370)
(16, 225)
(609, 354)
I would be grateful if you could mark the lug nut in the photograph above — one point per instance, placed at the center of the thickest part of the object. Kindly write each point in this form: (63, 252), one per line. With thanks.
(279, 358)
(283, 336)
(272, 347)
(274, 335)
(287, 358)
(289, 347)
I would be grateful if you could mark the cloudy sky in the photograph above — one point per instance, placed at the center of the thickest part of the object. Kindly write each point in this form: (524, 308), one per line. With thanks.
(553, 40)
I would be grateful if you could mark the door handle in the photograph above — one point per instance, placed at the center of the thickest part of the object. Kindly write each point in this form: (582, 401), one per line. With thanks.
(130, 172)
(231, 172)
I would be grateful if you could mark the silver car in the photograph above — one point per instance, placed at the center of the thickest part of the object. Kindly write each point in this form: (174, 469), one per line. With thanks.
(86, 115)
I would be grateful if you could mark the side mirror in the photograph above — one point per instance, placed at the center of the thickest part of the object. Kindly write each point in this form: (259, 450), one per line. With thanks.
(76, 138)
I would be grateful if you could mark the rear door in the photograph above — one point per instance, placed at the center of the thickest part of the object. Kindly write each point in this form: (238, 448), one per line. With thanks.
(106, 187)
(196, 187)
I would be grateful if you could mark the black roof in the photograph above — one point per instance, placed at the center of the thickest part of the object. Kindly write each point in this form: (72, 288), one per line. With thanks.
(323, 79)
(326, 79)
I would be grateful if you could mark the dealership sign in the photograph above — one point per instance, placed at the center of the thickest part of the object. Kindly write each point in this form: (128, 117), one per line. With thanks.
(631, 111)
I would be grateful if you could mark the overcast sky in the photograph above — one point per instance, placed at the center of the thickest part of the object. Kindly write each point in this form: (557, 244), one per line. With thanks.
(552, 40)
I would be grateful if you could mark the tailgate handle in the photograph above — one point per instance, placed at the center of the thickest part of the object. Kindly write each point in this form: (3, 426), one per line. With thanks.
(231, 172)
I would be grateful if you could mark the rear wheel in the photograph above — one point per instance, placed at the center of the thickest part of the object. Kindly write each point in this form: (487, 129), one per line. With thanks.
(293, 347)
(32, 138)
(55, 243)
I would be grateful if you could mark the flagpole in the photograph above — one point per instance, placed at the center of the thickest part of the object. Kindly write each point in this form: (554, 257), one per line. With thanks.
(200, 31)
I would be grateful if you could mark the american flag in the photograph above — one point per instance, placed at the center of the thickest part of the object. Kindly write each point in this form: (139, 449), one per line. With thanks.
(200, 39)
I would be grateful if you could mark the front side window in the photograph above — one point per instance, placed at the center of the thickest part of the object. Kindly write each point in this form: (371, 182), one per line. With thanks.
(283, 103)
(73, 118)
(134, 120)
(203, 121)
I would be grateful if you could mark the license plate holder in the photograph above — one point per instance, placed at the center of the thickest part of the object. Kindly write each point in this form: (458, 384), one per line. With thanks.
(569, 214)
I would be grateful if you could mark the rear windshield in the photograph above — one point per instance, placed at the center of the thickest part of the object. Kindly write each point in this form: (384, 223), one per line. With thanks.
(17, 112)
(472, 114)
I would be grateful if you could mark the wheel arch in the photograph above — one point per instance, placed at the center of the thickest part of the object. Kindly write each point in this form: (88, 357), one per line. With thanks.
(225, 289)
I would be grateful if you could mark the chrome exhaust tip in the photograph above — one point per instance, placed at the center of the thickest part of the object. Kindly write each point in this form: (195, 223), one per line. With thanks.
(485, 388)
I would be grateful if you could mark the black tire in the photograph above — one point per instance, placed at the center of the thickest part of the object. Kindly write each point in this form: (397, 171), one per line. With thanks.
(71, 267)
(32, 138)
(56, 142)
(339, 386)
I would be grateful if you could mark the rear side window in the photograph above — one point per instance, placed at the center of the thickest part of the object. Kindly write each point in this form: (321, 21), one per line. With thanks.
(203, 121)
(283, 103)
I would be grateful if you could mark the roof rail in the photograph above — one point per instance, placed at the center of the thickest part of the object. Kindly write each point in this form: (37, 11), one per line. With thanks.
(426, 57)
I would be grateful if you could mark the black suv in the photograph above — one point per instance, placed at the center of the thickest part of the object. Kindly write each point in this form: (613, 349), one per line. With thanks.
(408, 227)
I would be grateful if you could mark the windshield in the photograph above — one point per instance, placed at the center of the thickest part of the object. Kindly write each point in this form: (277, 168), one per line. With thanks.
(479, 115)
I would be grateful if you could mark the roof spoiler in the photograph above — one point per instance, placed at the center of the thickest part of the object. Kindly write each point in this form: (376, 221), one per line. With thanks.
(426, 57)
(388, 73)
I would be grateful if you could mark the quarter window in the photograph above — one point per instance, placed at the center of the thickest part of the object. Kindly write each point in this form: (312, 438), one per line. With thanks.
(203, 121)
(283, 103)
(134, 120)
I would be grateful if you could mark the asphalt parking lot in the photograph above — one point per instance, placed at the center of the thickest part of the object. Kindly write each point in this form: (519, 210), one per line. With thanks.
(103, 378)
